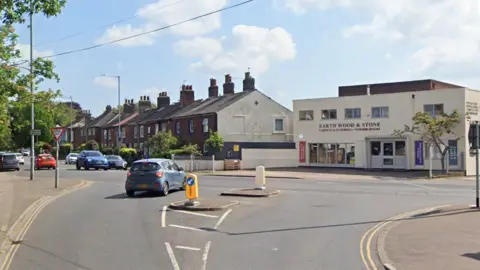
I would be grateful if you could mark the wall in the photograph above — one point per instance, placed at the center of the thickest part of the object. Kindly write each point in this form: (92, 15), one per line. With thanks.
(270, 158)
(402, 107)
(200, 165)
(246, 121)
(471, 96)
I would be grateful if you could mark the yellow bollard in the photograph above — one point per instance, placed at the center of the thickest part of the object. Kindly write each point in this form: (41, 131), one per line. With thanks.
(191, 190)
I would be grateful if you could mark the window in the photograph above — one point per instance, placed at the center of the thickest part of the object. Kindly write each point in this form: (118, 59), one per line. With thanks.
(306, 115)
(278, 125)
(105, 136)
(332, 153)
(93, 131)
(400, 148)
(89, 131)
(122, 130)
(205, 148)
(164, 127)
(81, 132)
(354, 113)
(329, 114)
(135, 132)
(149, 129)
(142, 130)
(157, 128)
(166, 165)
(433, 109)
(205, 125)
(177, 127)
(379, 112)
(110, 132)
(191, 126)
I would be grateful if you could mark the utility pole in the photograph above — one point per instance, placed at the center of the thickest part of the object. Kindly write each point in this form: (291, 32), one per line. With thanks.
(477, 140)
(119, 119)
(32, 150)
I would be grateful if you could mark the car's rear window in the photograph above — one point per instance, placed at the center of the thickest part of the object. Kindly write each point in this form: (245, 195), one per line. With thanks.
(46, 156)
(147, 166)
(93, 154)
(9, 157)
(74, 155)
(114, 158)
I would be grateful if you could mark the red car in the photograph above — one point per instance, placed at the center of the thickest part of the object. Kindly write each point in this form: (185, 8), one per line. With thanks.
(45, 161)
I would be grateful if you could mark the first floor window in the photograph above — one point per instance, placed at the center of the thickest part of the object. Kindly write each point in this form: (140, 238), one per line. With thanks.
(278, 125)
(353, 113)
(305, 115)
(380, 112)
(329, 114)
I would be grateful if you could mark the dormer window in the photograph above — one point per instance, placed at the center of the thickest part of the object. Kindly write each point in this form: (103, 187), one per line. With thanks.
(191, 126)
(205, 125)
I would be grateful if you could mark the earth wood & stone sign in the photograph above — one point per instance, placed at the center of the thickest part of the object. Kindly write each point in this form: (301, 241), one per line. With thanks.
(369, 126)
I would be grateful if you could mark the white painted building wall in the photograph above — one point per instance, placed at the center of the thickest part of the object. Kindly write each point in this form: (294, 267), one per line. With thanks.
(252, 119)
(402, 107)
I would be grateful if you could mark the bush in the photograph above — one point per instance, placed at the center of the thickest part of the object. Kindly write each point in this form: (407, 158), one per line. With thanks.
(81, 147)
(91, 145)
(214, 142)
(64, 150)
(190, 149)
(107, 151)
(128, 153)
(42, 147)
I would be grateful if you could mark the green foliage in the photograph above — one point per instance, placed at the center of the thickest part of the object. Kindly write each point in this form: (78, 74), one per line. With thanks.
(214, 142)
(128, 153)
(162, 143)
(42, 147)
(190, 149)
(81, 147)
(91, 145)
(431, 130)
(107, 151)
(65, 149)
(15, 11)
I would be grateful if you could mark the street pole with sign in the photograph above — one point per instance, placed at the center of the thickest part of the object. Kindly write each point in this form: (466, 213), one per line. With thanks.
(477, 140)
(57, 133)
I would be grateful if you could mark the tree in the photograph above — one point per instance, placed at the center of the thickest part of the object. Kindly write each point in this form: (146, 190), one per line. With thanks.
(214, 142)
(162, 143)
(432, 130)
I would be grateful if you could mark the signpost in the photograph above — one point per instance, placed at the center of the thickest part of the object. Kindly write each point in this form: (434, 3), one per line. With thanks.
(36, 132)
(191, 190)
(57, 133)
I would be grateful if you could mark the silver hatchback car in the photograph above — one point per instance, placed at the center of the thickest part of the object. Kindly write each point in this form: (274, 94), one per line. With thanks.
(155, 175)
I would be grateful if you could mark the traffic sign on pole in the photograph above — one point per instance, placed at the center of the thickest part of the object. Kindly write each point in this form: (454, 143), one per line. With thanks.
(57, 132)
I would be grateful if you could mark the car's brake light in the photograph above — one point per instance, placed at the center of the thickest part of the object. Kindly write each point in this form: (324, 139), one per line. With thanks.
(129, 173)
(159, 174)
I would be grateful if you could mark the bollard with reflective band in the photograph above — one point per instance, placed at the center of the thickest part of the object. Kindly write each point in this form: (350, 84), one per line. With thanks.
(260, 178)
(191, 189)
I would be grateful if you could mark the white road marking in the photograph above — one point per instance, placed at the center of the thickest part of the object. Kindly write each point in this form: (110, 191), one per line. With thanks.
(164, 215)
(185, 227)
(205, 255)
(172, 256)
(195, 213)
(188, 248)
(222, 218)
(417, 185)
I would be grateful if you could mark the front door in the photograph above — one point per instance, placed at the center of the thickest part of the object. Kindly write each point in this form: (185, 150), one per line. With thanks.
(387, 154)
(387, 150)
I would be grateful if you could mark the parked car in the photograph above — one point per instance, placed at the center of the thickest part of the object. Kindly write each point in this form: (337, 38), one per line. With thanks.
(116, 162)
(26, 152)
(20, 158)
(8, 161)
(91, 159)
(155, 175)
(71, 158)
(45, 161)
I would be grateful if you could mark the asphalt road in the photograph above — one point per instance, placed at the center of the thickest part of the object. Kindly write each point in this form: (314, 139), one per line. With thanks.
(312, 224)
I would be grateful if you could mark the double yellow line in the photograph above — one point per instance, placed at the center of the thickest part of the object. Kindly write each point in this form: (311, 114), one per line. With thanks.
(25, 221)
(365, 248)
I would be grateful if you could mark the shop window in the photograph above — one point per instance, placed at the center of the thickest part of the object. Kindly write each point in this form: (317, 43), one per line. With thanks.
(329, 114)
(375, 148)
(387, 149)
(332, 153)
(434, 110)
(350, 156)
(400, 148)
(306, 115)
(380, 112)
(278, 125)
(313, 158)
(353, 113)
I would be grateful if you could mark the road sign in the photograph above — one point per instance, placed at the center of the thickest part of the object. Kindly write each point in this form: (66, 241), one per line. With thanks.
(36, 132)
(191, 189)
(57, 132)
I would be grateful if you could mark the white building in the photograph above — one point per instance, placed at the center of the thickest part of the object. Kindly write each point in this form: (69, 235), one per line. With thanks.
(357, 131)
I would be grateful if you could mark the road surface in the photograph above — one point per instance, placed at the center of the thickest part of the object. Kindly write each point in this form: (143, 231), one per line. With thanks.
(312, 224)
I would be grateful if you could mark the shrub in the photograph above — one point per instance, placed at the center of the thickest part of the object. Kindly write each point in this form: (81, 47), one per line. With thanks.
(107, 151)
(91, 145)
(81, 147)
(126, 153)
(64, 150)
(190, 149)
(42, 147)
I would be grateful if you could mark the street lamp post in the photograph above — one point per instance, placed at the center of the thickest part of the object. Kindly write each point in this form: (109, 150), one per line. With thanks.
(119, 112)
(32, 150)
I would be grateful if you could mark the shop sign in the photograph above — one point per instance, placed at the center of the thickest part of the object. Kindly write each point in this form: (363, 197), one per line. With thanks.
(369, 126)
(302, 147)
(472, 108)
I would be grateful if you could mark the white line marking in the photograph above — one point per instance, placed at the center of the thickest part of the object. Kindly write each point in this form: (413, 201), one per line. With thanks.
(222, 218)
(164, 215)
(417, 185)
(195, 213)
(205, 255)
(188, 248)
(185, 227)
(172, 256)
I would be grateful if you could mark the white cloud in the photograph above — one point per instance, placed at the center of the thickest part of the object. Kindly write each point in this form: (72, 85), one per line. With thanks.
(107, 82)
(167, 12)
(252, 46)
(445, 32)
(25, 52)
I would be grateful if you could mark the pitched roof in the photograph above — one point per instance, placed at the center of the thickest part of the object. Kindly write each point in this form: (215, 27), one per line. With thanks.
(125, 118)
(140, 117)
(101, 120)
(77, 124)
(161, 113)
(211, 105)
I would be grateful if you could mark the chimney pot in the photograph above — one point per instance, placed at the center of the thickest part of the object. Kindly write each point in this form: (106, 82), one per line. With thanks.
(228, 86)
(131, 101)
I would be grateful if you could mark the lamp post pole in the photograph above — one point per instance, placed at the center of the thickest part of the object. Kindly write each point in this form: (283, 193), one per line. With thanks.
(32, 150)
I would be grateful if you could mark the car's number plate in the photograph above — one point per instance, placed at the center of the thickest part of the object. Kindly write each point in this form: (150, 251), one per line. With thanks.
(99, 162)
(142, 186)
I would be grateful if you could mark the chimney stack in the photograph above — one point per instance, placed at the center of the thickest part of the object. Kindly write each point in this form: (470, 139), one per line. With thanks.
(228, 86)
(108, 108)
(248, 82)
(144, 104)
(163, 100)
(187, 95)
(213, 88)
(129, 107)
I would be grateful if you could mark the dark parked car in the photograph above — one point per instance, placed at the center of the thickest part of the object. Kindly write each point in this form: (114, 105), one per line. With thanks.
(91, 159)
(9, 161)
(116, 162)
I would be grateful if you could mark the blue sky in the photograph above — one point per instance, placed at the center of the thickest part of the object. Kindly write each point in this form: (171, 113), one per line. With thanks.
(296, 48)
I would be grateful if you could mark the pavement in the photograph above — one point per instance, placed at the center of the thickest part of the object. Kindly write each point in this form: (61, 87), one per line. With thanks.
(447, 238)
(315, 223)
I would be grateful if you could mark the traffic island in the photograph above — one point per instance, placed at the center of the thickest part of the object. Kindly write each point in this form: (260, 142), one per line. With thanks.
(203, 205)
(251, 192)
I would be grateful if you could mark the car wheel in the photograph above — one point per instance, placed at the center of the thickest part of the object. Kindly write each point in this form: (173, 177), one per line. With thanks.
(18, 169)
(78, 166)
(96, 169)
(130, 193)
(105, 169)
(165, 189)
(184, 186)
(86, 166)
(53, 168)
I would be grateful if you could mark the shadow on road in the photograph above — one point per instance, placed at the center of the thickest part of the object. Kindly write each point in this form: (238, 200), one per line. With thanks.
(475, 256)
(78, 266)
(433, 214)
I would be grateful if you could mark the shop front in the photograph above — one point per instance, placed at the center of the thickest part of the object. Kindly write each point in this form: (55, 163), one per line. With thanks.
(387, 153)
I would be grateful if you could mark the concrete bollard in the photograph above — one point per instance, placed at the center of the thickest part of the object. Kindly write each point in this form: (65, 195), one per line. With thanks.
(260, 179)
